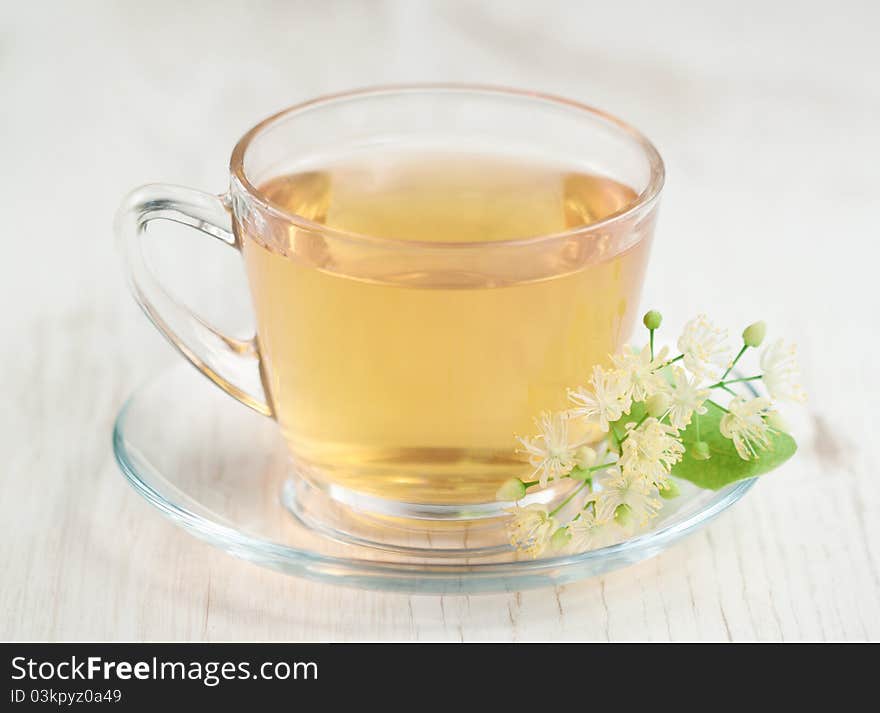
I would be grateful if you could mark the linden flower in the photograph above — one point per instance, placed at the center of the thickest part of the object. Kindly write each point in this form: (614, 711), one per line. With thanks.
(650, 451)
(550, 453)
(605, 402)
(588, 532)
(531, 528)
(639, 372)
(704, 347)
(744, 423)
(627, 489)
(686, 397)
(781, 372)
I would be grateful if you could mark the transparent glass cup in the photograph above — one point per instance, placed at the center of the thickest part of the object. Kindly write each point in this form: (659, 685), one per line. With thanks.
(350, 328)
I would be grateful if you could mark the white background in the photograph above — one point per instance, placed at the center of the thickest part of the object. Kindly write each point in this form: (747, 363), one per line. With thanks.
(767, 115)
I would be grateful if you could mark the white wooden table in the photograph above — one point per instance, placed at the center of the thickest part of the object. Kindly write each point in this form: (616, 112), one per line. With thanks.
(768, 119)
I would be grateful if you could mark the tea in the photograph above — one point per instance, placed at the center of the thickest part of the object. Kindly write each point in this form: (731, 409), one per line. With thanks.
(406, 376)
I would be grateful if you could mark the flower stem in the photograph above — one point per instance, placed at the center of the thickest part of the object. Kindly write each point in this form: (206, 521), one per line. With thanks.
(721, 384)
(747, 378)
(601, 466)
(616, 438)
(626, 435)
(670, 361)
(717, 405)
(651, 341)
(733, 363)
(568, 499)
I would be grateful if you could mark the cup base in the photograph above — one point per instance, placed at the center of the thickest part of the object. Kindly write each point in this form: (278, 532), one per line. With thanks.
(420, 529)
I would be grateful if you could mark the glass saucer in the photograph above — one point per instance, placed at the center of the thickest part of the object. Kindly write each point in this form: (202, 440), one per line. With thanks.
(222, 472)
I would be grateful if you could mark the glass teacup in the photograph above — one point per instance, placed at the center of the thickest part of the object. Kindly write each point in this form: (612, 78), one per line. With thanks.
(430, 267)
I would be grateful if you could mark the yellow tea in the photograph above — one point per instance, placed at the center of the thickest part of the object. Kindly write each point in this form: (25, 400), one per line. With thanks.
(406, 374)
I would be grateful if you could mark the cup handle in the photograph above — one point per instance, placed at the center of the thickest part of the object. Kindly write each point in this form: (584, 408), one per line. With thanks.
(232, 364)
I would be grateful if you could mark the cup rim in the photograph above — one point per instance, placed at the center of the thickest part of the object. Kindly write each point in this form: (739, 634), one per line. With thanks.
(646, 197)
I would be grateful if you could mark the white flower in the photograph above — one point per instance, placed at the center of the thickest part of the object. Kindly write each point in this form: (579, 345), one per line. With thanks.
(650, 451)
(781, 373)
(704, 347)
(550, 453)
(686, 397)
(631, 490)
(744, 423)
(605, 402)
(588, 532)
(638, 372)
(531, 528)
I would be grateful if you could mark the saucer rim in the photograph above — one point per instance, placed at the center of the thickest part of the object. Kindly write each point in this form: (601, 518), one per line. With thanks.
(323, 567)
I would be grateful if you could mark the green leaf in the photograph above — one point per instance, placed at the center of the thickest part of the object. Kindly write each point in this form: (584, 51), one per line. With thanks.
(725, 466)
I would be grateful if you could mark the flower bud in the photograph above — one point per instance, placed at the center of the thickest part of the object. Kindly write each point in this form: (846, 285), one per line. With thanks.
(670, 491)
(623, 514)
(585, 457)
(775, 420)
(560, 539)
(652, 319)
(657, 404)
(754, 334)
(512, 489)
(699, 450)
